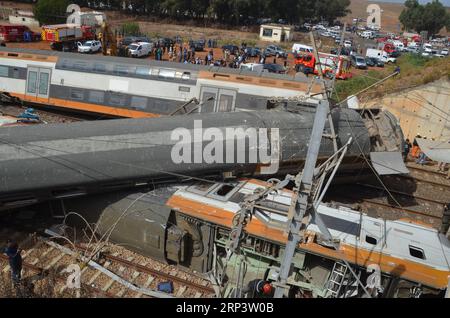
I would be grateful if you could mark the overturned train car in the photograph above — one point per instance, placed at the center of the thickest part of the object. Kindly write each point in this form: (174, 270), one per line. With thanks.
(190, 226)
(54, 161)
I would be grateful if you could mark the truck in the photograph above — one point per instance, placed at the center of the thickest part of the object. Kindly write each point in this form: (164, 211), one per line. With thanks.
(64, 37)
(389, 48)
(381, 55)
(331, 65)
(17, 33)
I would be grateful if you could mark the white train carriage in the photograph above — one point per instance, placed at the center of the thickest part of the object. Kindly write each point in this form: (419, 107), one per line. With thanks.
(122, 87)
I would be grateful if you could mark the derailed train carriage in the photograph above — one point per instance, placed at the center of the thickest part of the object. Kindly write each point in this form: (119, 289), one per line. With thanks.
(189, 225)
(46, 162)
(123, 87)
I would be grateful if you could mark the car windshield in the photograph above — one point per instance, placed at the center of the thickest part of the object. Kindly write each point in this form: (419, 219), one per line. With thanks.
(88, 43)
(133, 47)
(360, 60)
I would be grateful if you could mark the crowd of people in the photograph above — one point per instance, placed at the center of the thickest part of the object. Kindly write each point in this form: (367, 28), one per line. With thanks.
(186, 52)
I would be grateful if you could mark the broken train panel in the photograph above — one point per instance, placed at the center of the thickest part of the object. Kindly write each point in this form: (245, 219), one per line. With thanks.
(189, 225)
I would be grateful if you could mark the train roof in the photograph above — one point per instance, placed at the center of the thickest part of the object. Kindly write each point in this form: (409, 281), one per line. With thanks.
(65, 56)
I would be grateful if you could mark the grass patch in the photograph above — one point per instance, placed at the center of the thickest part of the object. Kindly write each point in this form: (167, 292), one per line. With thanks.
(414, 70)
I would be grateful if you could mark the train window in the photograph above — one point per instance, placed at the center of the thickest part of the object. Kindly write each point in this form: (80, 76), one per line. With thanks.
(96, 97)
(121, 70)
(224, 190)
(16, 73)
(225, 103)
(117, 99)
(76, 94)
(166, 73)
(201, 188)
(79, 65)
(186, 75)
(43, 83)
(371, 240)
(4, 71)
(184, 89)
(138, 102)
(101, 68)
(65, 63)
(32, 82)
(143, 71)
(416, 252)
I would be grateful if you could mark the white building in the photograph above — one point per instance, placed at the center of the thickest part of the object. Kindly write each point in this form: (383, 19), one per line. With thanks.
(92, 18)
(276, 33)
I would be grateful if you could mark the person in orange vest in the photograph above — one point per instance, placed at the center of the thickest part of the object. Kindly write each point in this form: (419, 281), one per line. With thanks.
(415, 148)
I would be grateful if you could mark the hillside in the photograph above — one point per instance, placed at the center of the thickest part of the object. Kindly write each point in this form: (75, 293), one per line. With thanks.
(389, 15)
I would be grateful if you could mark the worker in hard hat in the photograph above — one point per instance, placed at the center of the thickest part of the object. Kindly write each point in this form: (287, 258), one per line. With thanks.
(258, 288)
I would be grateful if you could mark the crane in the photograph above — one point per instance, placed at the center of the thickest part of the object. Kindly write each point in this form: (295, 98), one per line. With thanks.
(108, 40)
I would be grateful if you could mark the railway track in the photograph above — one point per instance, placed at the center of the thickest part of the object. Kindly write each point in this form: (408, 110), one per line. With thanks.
(428, 174)
(120, 273)
(46, 115)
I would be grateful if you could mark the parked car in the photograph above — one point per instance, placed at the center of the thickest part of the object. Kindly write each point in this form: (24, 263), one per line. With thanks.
(444, 52)
(326, 34)
(274, 68)
(348, 44)
(198, 45)
(89, 46)
(344, 51)
(254, 67)
(166, 41)
(358, 61)
(253, 51)
(273, 50)
(234, 50)
(414, 50)
(373, 61)
(133, 39)
(337, 39)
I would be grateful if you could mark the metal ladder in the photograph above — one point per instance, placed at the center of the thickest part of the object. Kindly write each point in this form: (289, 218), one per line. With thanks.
(336, 279)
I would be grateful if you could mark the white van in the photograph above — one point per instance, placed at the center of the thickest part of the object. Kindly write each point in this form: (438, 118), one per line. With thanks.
(427, 48)
(140, 49)
(367, 34)
(297, 48)
(399, 45)
(254, 67)
(380, 54)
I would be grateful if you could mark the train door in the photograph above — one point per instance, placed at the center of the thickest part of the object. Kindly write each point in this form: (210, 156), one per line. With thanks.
(216, 99)
(38, 83)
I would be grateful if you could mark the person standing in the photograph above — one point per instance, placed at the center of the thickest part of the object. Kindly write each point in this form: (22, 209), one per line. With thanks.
(179, 56)
(406, 148)
(15, 261)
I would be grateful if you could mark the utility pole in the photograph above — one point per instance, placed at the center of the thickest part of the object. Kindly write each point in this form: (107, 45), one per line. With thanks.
(303, 202)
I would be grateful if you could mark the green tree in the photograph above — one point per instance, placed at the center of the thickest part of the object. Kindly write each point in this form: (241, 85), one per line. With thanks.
(434, 18)
(51, 11)
(431, 17)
